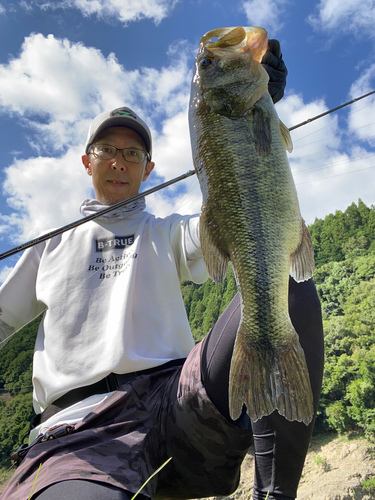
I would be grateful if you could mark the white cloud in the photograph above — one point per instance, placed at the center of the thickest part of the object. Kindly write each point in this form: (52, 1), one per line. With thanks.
(330, 173)
(170, 201)
(121, 10)
(2, 9)
(67, 84)
(356, 16)
(54, 80)
(45, 193)
(52, 88)
(265, 13)
(173, 158)
(4, 273)
(172, 147)
(322, 166)
(55, 88)
(25, 5)
(361, 121)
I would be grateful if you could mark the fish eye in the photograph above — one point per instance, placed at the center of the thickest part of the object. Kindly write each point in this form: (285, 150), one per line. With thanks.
(206, 62)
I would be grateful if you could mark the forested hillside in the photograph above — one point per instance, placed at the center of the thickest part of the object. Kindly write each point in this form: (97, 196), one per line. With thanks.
(344, 245)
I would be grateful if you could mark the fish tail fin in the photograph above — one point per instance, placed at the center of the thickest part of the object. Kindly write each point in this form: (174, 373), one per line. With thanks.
(275, 380)
(246, 383)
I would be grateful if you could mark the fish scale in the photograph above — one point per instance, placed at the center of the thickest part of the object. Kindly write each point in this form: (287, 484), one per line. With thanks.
(250, 216)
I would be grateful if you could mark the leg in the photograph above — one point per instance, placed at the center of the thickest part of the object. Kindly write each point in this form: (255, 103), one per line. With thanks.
(84, 490)
(217, 352)
(280, 445)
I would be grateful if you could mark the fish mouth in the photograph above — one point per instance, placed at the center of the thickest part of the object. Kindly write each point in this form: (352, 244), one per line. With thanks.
(233, 40)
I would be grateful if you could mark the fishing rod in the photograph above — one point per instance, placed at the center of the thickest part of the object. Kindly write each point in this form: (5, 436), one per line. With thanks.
(331, 111)
(79, 222)
(121, 204)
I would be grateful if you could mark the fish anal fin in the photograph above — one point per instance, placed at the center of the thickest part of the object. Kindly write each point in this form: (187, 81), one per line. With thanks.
(285, 135)
(302, 260)
(216, 261)
(262, 131)
(270, 381)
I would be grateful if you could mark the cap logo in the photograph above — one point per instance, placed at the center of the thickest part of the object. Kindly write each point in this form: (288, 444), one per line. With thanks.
(123, 112)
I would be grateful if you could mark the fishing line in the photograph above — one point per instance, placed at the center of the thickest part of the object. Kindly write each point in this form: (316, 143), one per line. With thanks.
(326, 126)
(329, 136)
(302, 157)
(329, 125)
(308, 135)
(328, 165)
(336, 175)
(193, 183)
(20, 328)
(79, 222)
(331, 111)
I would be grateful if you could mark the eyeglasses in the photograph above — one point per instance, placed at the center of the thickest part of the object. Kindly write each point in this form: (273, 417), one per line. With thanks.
(105, 152)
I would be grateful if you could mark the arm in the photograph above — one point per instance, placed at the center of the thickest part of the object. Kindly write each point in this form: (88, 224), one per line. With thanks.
(18, 301)
(187, 249)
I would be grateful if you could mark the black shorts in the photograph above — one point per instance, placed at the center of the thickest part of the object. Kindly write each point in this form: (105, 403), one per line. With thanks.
(135, 430)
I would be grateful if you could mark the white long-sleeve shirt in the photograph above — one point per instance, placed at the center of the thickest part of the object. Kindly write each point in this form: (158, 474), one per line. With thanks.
(111, 291)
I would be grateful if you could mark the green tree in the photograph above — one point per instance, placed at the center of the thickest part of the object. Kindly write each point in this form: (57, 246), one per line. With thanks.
(348, 395)
(15, 416)
(230, 291)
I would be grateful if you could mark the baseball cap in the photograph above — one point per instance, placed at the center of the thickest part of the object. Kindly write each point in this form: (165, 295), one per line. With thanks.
(120, 117)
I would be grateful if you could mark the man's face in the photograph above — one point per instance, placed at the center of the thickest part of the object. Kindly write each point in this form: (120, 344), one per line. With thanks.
(116, 180)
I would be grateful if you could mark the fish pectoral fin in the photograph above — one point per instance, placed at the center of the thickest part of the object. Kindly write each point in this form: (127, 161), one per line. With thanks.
(216, 262)
(302, 260)
(269, 381)
(261, 131)
(285, 135)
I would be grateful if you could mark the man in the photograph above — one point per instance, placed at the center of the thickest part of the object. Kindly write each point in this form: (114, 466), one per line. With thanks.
(118, 384)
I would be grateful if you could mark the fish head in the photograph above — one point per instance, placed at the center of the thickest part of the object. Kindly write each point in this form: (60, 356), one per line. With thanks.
(228, 75)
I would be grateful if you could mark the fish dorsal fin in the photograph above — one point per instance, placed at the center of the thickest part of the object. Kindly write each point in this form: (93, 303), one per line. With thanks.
(234, 37)
(285, 134)
(302, 260)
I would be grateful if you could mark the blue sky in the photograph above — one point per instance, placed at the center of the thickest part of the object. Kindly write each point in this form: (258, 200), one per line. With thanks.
(62, 62)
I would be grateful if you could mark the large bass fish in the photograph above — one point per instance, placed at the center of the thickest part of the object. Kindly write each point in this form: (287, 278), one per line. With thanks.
(251, 217)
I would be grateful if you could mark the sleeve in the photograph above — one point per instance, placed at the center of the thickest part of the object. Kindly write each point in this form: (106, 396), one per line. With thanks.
(18, 301)
(187, 250)
(192, 241)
